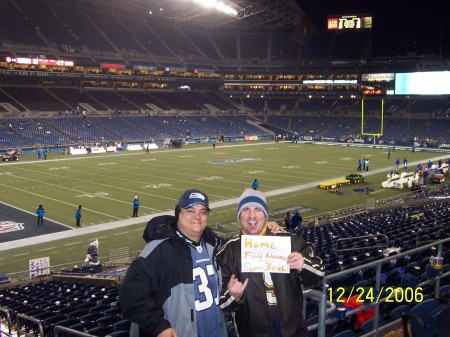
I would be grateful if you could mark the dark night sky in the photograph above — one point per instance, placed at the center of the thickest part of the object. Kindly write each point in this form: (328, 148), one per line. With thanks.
(398, 26)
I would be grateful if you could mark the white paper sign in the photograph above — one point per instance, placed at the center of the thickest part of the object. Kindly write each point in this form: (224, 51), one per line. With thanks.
(39, 267)
(261, 254)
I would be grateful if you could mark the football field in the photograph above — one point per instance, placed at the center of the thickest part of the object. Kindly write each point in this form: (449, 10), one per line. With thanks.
(105, 184)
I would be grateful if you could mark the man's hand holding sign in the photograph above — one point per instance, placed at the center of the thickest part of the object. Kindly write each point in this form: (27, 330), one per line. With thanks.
(263, 274)
(261, 254)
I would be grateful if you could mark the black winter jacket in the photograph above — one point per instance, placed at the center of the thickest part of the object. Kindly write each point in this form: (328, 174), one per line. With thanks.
(157, 292)
(252, 316)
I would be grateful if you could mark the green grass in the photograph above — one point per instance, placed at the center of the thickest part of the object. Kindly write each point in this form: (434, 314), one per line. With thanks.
(106, 184)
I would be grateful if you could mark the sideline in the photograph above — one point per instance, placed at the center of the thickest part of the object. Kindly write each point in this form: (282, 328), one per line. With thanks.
(214, 205)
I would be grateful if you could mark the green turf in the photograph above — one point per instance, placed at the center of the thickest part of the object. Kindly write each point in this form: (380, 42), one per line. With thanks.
(106, 184)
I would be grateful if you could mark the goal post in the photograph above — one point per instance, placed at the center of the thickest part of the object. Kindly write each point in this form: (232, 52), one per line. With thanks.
(380, 131)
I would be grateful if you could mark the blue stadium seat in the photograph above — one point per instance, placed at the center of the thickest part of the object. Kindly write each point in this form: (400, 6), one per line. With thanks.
(113, 311)
(417, 316)
(444, 290)
(100, 331)
(123, 324)
(68, 322)
(399, 310)
(125, 333)
(83, 326)
(368, 325)
(107, 320)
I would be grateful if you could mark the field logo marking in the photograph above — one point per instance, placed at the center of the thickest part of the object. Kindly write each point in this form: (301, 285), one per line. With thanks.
(162, 185)
(211, 178)
(93, 195)
(10, 226)
(233, 161)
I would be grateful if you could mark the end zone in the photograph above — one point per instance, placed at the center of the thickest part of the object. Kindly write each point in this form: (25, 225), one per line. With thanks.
(16, 224)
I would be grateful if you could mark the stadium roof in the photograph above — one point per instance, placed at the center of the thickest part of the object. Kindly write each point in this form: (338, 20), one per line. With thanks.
(250, 13)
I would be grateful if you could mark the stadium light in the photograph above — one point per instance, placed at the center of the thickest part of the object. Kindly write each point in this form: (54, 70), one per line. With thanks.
(218, 5)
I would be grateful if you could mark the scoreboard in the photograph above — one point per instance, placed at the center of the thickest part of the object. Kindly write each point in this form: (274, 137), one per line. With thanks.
(337, 22)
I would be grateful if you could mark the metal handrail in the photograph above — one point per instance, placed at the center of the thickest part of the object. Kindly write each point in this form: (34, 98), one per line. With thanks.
(7, 320)
(38, 322)
(369, 236)
(69, 331)
(323, 301)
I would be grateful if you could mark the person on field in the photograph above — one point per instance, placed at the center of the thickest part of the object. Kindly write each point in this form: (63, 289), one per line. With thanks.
(136, 204)
(40, 215)
(78, 216)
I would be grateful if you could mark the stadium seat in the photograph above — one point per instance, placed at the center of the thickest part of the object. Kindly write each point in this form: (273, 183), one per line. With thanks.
(100, 331)
(125, 333)
(444, 290)
(91, 317)
(398, 311)
(107, 320)
(439, 322)
(369, 324)
(113, 311)
(68, 322)
(123, 324)
(431, 324)
(83, 326)
(417, 315)
(100, 308)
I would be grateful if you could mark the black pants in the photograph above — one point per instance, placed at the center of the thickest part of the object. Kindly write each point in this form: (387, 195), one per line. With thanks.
(78, 222)
(135, 212)
(40, 221)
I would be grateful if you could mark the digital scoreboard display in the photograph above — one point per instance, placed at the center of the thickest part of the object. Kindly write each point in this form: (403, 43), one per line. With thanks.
(39, 61)
(336, 22)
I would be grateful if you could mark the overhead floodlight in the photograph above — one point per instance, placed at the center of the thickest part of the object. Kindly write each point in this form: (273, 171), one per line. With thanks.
(226, 9)
(218, 5)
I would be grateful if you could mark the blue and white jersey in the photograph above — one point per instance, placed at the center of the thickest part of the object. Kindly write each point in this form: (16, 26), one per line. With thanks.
(206, 290)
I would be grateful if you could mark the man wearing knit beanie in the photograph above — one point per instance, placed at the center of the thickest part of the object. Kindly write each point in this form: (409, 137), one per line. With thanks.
(173, 287)
(266, 304)
(253, 199)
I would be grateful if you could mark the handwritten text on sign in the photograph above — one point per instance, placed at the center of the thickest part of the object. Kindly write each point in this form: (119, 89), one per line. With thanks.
(265, 254)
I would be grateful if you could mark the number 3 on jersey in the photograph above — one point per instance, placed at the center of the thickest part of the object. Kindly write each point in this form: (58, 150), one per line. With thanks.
(205, 282)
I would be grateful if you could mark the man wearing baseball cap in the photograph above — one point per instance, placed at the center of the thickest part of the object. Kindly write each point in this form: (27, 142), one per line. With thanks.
(172, 289)
(266, 304)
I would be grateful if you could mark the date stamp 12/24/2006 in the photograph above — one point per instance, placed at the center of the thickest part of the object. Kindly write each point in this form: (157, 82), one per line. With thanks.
(370, 294)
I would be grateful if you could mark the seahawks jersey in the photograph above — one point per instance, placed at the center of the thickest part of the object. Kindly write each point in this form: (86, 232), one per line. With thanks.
(205, 281)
